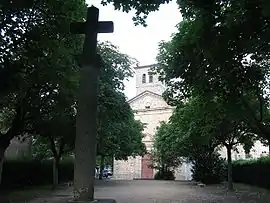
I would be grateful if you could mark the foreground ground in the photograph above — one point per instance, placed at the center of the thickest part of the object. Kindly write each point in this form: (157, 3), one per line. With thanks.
(143, 191)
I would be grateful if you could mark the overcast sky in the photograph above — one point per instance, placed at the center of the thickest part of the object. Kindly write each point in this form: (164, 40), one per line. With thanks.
(138, 41)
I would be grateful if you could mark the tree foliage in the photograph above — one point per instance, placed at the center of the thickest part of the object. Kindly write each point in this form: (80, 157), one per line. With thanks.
(211, 49)
(165, 153)
(142, 8)
(38, 60)
(196, 131)
(35, 45)
(41, 56)
(119, 134)
(219, 57)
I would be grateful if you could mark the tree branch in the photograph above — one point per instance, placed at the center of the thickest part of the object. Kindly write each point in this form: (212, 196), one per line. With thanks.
(53, 147)
(61, 147)
(261, 105)
(251, 112)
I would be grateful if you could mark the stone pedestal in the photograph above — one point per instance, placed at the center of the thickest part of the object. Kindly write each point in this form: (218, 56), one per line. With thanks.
(105, 201)
(95, 201)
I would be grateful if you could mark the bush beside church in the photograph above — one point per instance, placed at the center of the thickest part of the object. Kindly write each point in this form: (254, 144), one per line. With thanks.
(209, 169)
(166, 175)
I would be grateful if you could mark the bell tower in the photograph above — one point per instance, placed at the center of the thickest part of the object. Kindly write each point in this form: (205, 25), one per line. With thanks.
(147, 81)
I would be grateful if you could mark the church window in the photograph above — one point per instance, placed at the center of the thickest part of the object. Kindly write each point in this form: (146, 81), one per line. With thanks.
(147, 106)
(143, 78)
(150, 77)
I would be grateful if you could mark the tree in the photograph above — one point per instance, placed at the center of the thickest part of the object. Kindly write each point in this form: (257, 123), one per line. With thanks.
(232, 130)
(119, 134)
(220, 51)
(55, 126)
(228, 127)
(189, 136)
(166, 156)
(211, 50)
(40, 149)
(54, 119)
(198, 127)
(257, 112)
(36, 46)
(142, 7)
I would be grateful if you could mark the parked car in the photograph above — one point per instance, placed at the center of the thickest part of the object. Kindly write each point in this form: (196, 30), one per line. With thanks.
(110, 173)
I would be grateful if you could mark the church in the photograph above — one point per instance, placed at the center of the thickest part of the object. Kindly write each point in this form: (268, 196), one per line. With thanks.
(150, 109)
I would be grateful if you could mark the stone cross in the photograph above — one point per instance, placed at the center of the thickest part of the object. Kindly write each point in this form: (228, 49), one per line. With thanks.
(86, 126)
(91, 28)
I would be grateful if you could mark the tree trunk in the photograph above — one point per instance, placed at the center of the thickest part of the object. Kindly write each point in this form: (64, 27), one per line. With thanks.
(102, 158)
(56, 172)
(2, 158)
(268, 142)
(4, 144)
(162, 170)
(229, 159)
(86, 133)
(112, 165)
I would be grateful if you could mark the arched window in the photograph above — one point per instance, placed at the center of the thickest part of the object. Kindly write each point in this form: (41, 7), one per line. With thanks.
(143, 78)
(150, 77)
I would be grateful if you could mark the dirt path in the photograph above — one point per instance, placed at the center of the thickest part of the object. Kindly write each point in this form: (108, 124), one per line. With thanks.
(142, 191)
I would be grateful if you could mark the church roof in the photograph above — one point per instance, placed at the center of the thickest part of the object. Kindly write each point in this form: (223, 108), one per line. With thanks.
(146, 66)
(144, 93)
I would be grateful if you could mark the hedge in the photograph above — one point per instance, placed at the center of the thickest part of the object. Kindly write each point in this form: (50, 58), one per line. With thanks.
(254, 172)
(20, 174)
(167, 175)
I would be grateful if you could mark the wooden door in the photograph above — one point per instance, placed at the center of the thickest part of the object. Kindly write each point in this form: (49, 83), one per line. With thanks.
(147, 172)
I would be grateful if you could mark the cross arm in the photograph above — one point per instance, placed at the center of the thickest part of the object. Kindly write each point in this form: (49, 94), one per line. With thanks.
(81, 27)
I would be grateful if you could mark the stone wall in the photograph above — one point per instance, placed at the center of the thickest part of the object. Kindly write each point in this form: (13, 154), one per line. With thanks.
(127, 170)
(152, 119)
(183, 172)
(19, 149)
(257, 151)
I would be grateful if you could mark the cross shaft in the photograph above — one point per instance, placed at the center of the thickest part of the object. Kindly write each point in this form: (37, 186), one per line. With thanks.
(86, 123)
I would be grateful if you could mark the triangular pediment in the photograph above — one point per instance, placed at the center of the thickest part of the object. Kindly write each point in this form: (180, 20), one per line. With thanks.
(148, 100)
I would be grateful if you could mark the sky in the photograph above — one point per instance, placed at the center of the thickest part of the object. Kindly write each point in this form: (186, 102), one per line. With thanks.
(138, 41)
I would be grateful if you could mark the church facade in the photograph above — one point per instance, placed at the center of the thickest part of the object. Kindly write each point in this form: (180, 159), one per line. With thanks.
(150, 109)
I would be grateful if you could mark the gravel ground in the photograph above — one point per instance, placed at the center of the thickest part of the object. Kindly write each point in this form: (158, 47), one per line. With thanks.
(150, 191)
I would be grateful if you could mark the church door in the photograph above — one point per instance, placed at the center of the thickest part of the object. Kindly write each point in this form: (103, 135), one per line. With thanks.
(147, 171)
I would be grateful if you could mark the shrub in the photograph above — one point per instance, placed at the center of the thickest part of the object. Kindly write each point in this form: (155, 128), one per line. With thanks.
(253, 172)
(167, 175)
(209, 169)
(19, 174)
